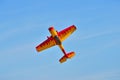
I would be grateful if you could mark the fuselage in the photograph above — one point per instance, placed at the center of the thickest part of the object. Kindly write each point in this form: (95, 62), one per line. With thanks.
(54, 34)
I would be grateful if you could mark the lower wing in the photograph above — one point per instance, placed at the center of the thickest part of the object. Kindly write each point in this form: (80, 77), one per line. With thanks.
(46, 44)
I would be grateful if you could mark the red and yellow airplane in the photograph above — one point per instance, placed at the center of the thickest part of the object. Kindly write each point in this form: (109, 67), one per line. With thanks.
(57, 38)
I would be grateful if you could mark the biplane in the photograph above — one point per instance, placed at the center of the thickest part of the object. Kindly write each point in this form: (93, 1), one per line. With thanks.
(57, 38)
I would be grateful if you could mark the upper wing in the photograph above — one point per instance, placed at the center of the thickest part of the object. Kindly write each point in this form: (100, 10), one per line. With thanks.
(66, 32)
(46, 44)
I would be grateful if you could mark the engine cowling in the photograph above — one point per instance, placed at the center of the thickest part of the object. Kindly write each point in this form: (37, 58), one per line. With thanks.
(52, 31)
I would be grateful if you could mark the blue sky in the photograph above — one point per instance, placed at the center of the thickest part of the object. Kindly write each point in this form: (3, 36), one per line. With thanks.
(24, 24)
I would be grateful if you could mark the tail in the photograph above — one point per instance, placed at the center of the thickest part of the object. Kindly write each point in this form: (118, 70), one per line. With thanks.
(67, 56)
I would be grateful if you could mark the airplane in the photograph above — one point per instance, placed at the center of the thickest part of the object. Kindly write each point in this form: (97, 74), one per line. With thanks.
(57, 38)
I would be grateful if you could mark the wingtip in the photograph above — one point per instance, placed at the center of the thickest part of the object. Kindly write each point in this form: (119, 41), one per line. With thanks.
(37, 49)
(74, 26)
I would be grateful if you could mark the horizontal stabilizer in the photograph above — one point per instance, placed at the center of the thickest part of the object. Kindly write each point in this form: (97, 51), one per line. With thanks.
(70, 55)
(63, 59)
(67, 56)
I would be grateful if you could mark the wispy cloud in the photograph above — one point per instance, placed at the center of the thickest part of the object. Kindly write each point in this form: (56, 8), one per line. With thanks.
(15, 31)
(95, 35)
(113, 43)
(19, 47)
(98, 34)
(114, 75)
(8, 33)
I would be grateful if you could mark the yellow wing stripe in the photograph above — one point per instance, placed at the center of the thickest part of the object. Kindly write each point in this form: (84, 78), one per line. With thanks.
(46, 44)
(66, 32)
